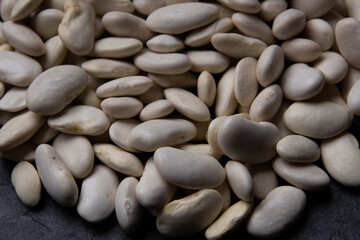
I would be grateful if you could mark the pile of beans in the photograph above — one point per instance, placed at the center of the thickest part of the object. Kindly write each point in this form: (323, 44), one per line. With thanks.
(226, 97)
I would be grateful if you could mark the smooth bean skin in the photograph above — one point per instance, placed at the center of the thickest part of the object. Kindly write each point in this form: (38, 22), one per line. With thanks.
(280, 209)
(26, 182)
(128, 210)
(189, 215)
(55, 88)
(97, 196)
(150, 135)
(173, 165)
(56, 176)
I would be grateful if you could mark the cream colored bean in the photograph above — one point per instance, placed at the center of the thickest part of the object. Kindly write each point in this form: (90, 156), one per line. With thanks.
(23, 38)
(206, 88)
(266, 104)
(200, 148)
(81, 120)
(26, 182)
(128, 210)
(126, 86)
(46, 22)
(101, 7)
(55, 176)
(333, 66)
(97, 196)
(121, 107)
(118, 159)
(301, 50)
(225, 12)
(157, 109)
(300, 82)
(13, 100)
(165, 43)
(347, 37)
(353, 99)
(237, 45)
(297, 148)
(340, 156)
(6, 7)
(245, 82)
(120, 131)
(187, 104)
(19, 129)
(353, 8)
(253, 26)
(202, 36)
(55, 53)
(6, 47)
(150, 135)
(312, 9)
(243, 110)
(225, 193)
(320, 31)
(44, 135)
(23, 152)
(240, 180)
(109, 68)
(123, 24)
(207, 60)
(240, 139)
(352, 77)
(172, 164)
(76, 36)
(116, 47)
(183, 80)
(189, 215)
(264, 179)
(270, 65)
(306, 176)
(55, 88)
(18, 69)
(153, 191)
(162, 63)
(280, 210)
(288, 24)
(23, 9)
(146, 7)
(330, 119)
(331, 93)
(154, 93)
(182, 17)
(88, 97)
(225, 102)
(246, 6)
(80, 163)
(270, 9)
(229, 220)
(212, 134)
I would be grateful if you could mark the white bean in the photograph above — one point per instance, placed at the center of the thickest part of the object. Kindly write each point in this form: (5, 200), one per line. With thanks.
(55, 176)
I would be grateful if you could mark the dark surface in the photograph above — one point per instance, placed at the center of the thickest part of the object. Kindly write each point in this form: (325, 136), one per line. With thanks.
(334, 214)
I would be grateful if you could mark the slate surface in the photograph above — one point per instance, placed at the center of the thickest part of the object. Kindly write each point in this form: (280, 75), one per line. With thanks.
(334, 214)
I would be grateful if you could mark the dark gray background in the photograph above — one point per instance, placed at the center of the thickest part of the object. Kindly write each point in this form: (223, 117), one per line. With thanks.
(334, 214)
